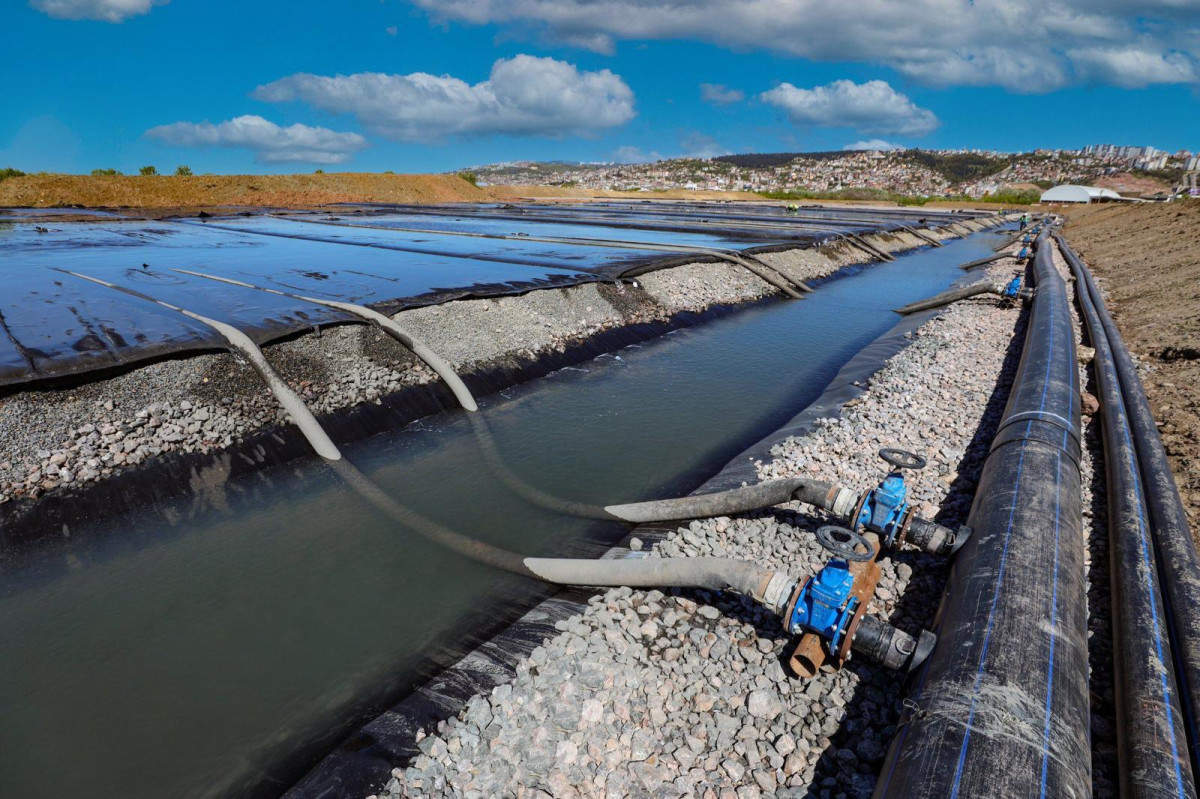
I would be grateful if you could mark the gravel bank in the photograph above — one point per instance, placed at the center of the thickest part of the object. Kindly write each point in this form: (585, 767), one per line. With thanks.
(70, 437)
(684, 694)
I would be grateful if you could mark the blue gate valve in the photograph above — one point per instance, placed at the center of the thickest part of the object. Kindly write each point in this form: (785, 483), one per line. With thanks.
(825, 604)
(1013, 288)
(885, 509)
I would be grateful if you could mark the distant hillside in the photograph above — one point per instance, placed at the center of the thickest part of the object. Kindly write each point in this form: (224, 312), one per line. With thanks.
(766, 160)
(959, 167)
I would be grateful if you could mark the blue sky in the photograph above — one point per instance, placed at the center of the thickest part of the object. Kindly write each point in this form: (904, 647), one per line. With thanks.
(434, 85)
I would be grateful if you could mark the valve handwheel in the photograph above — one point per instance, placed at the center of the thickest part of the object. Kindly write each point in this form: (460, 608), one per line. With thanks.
(902, 459)
(845, 543)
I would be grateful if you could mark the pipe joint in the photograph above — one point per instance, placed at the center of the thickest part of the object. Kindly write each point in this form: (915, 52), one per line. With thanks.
(890, 646)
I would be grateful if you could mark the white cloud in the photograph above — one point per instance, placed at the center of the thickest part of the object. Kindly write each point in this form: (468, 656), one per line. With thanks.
(103, 10)
(700, 145)
(629, 154)
(1132, 67)
(873, 144)
(1026, 45)
(523, 95)
(717, 94)
(271, 143)
(873, 107)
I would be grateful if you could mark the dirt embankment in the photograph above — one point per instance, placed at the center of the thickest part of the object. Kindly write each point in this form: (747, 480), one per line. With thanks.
(163, 191)
(1147, 261)
(163, 194)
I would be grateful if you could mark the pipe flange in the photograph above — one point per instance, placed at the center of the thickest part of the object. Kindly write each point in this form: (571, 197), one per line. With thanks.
(791, 603)
(903, 534)
(856, 514)
(843, 652)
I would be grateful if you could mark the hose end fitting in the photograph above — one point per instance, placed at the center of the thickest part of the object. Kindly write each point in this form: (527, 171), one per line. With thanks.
(892, 647)
(935, 539)
(776, 592)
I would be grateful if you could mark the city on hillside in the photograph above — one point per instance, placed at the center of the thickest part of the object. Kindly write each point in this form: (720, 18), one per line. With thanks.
(1131, 171)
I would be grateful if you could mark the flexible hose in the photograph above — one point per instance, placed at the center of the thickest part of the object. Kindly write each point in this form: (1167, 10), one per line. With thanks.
(953, 295)
(985, 261)
(725, 503)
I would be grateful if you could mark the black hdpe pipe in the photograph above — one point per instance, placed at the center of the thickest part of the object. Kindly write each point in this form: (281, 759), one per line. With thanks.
(1001, 706)
(1178, 564)
(1152, 753)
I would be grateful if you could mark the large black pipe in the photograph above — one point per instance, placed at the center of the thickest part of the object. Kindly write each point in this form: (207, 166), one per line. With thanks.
(1178, 564)
(1001, 707)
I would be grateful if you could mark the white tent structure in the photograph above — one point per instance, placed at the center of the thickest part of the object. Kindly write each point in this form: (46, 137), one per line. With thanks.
(1079, 194)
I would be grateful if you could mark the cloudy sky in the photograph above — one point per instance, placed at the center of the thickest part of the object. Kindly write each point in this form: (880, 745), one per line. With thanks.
(433, 85)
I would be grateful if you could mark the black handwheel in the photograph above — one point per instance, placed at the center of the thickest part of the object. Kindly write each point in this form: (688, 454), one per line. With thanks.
(844, 543)
(902, 458)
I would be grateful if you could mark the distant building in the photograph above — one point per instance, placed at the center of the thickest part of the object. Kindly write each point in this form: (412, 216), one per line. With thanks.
(1079, 194)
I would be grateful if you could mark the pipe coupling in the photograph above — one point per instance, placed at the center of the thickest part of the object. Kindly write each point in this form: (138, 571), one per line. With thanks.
(844, 503)
(776, 592)
(890, 646)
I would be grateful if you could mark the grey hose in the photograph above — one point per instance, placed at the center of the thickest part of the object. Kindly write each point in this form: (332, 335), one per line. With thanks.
(737, 500)
(385, 323)
(491, 456)
(698, 506)
(985, 261)
(953, 295)
(774, 277)
(769, 587)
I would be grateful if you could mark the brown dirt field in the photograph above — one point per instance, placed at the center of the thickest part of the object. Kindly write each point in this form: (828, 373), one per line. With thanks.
(1147, 261)
(1133, 185)
(166, 194)
(208, 191)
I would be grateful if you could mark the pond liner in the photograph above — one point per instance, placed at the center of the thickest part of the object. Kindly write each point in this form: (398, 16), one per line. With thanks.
(362, 763)
(1174, 550)
(27, 522)
(733, 232)
(1001, 706)
(23, 367)
(639, 220)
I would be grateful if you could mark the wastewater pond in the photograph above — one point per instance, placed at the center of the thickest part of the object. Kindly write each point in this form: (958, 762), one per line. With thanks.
(221, 644)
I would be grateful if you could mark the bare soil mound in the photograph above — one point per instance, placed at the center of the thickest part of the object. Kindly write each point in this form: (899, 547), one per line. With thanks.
(162, 191)
(1147, 261)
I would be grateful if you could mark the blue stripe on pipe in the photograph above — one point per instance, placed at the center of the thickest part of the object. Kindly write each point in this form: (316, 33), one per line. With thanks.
(1180, 790)
(1053, 622)
(962, 754)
